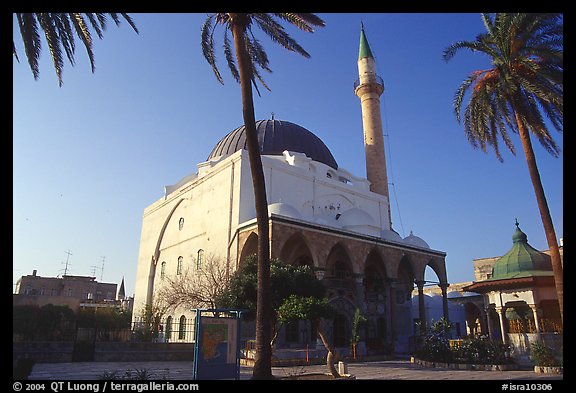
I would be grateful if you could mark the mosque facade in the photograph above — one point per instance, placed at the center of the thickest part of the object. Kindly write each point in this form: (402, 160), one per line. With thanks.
(320, 215)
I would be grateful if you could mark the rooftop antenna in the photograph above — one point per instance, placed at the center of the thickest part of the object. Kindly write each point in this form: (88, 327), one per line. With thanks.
(94, 267)
(67, 263)
(102, 269)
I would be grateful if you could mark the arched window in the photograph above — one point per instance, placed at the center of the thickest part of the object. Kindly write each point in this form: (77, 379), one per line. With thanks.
(181, 223)
(162, 270)
(182, 328)
(168, 328)
(179, 265)
(200, 259)
(341, 270)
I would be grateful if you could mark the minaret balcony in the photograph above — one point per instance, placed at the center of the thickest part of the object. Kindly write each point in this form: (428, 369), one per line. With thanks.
(368, 80)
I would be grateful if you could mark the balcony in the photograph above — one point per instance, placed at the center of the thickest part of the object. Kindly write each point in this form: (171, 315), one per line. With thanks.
(378, 80)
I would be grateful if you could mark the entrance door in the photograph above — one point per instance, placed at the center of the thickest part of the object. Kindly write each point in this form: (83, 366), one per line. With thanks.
(340, 331)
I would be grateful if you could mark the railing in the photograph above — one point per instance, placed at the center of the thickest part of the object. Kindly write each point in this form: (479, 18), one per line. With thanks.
(528, 326)
(378, 80)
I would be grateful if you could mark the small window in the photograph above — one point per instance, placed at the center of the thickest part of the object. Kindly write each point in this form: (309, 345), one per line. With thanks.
(181, 223)
(182, 328)
(200, 259)
(179, 265)
(168, 328)
(162, 270)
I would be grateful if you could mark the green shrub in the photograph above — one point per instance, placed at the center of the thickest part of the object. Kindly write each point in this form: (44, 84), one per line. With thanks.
(434, 345)
(481, 350)
(543, 355)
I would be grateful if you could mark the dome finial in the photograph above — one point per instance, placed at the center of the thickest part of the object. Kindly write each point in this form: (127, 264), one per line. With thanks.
(517, 224)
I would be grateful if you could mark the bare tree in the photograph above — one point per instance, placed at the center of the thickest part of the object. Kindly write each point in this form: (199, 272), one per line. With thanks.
(195, 286)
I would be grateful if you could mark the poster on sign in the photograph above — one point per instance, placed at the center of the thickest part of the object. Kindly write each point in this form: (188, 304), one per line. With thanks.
(216, 349)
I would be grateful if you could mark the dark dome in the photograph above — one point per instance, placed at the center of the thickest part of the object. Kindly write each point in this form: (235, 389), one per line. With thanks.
(275, 136)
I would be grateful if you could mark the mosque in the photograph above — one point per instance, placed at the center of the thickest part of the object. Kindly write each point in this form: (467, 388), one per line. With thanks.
(320, 215)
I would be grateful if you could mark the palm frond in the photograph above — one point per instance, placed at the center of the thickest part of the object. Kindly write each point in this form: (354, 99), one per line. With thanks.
(525, 84)
(302, 21)
(60, 30)
(31, 39)
(83, 33)
(230, 57)
(51, 35)
(207, 43)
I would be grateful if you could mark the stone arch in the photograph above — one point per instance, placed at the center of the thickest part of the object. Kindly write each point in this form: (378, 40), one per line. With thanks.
(439, 268)
(405, 275)
(339, 264)
(156, 255)
(474, 319)
(341, 325)
(374, 272)
(250, 247)
(296, 251)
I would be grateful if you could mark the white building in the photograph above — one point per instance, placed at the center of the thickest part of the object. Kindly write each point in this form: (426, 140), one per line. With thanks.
(320, 215)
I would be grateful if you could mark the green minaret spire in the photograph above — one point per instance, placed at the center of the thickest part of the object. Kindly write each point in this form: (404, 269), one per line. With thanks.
(364, 47)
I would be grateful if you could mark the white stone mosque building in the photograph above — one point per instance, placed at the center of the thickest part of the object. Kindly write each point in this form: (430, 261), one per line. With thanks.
(319, 215)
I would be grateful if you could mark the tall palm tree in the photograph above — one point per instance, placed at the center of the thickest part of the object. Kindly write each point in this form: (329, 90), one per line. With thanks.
(250, 56)
(525, 83)
(59, 30)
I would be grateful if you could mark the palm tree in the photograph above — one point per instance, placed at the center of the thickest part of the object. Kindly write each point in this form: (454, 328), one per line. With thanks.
(250, 55)
(59, 30)
(525, 82)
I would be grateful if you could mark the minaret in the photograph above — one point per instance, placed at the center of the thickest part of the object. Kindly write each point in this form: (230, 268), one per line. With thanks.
(369, 87)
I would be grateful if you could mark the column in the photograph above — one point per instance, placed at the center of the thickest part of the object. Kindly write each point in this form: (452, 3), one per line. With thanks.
(501, 310)
(391, 311)
(361, 304)
(444, 288)
(490, 322)
(536, 319)
(483, 322)
(421, 306)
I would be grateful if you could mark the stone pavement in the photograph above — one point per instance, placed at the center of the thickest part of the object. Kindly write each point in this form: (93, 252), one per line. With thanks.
(378, 370)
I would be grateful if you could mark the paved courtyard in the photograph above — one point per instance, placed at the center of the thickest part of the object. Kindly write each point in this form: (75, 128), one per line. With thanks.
(380, 370)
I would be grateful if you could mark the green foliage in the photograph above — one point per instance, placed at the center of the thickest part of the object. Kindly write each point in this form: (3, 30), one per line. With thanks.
(132, 375)
(104, 318)
(147, 328)
(543, 355)
(435, 345)
(285, 280)
(481, 350)
(358, 321)
(311, 308)
(46, 323)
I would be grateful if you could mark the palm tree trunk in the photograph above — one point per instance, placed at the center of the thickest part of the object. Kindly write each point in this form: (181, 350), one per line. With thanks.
(544, 213)
(263, 357)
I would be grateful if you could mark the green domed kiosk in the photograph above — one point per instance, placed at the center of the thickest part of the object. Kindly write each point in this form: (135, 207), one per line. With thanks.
(520, 297)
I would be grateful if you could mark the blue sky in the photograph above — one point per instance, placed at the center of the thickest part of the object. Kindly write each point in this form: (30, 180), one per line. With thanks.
(89, 156)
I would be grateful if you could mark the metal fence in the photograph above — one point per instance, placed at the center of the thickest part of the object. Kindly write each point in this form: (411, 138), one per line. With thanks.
(142, 332)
